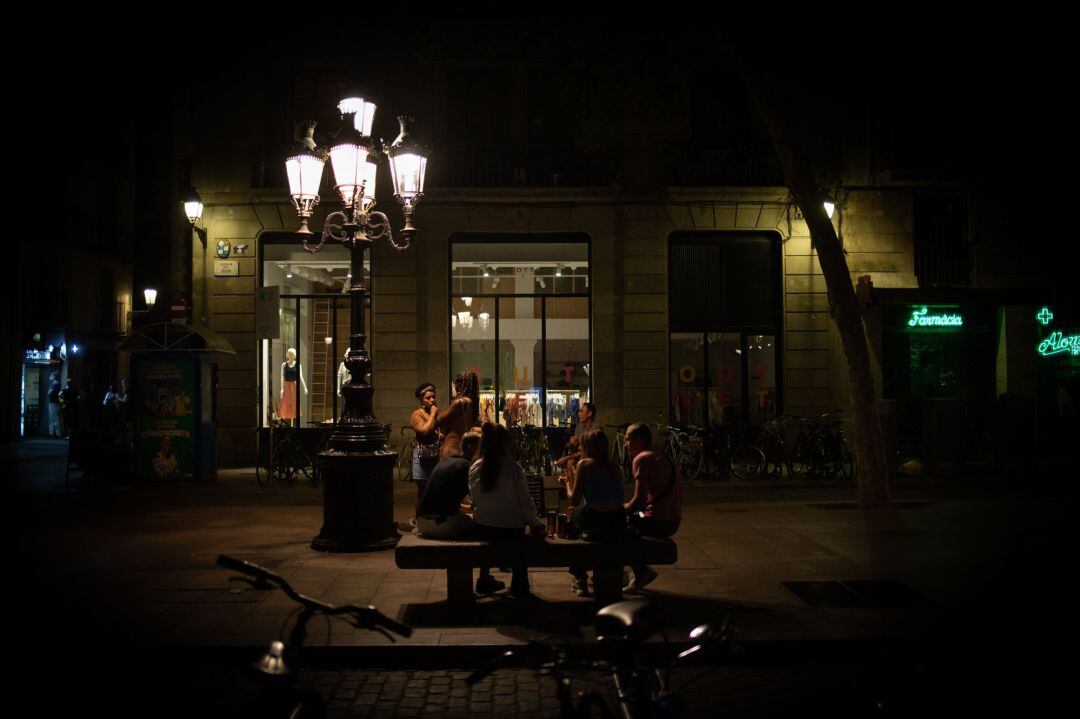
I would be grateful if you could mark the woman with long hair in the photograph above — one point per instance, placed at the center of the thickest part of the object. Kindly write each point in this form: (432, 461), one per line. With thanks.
(598, 496)
(461, 415)
(586, 421)
(500, 497)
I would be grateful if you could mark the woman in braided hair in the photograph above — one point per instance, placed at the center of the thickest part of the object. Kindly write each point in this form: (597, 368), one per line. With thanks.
(461, 415)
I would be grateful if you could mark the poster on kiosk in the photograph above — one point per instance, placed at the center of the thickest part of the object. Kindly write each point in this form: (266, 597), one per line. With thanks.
(165, 420)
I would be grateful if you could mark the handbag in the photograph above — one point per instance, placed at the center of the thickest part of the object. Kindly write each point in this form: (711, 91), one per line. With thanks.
(429, 451)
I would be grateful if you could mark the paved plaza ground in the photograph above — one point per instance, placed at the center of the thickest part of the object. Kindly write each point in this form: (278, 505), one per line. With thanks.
(978, 571)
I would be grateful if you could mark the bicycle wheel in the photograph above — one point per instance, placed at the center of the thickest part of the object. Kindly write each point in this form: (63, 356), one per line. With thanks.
(747, 462)
(691, 462)
(800, 463)
(262, 474)
(264, 467)
(773, 450)
(841, 462)
(403, 466)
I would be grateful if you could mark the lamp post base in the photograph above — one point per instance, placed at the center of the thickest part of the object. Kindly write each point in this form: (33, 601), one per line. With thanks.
(358, 501)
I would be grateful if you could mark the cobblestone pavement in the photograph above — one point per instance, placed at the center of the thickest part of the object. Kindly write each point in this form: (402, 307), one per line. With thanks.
(742, 691)
(961, 681)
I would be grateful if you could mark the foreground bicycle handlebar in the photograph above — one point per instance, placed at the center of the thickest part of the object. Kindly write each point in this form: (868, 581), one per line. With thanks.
(641, 685)
(362, 617)
(279, 666)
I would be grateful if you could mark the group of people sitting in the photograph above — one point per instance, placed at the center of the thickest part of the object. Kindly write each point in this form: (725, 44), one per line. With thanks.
(455, 463)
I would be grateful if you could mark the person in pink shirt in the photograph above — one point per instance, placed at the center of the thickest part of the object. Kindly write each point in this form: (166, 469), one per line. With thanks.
(656, 507)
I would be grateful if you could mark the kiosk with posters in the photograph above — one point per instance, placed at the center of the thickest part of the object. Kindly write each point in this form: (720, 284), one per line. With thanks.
(174, 372)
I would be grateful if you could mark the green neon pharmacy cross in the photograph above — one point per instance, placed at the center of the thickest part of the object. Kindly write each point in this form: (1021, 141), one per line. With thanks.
(1057, 343)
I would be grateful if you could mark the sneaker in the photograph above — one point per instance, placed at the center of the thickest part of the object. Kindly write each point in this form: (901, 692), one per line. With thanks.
(489, 585)
(641, 581)
(580, 587)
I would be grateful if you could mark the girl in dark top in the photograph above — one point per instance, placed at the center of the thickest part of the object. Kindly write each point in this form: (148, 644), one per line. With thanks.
(426, 453)
(461, 416)
(598, 495)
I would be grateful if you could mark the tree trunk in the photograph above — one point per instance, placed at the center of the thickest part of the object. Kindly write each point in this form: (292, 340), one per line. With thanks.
(871, 463)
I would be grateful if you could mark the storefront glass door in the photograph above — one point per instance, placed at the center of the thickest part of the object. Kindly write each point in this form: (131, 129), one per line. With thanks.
(314, 319)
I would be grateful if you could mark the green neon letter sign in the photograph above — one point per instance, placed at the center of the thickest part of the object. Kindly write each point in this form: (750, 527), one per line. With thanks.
(920, 318)
(1057, 344)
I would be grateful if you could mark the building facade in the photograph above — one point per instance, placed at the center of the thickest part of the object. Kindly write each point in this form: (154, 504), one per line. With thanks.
(636, 359)
(600, 226)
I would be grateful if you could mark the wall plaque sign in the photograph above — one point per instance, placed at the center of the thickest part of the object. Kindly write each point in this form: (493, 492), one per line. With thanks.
(226, 268)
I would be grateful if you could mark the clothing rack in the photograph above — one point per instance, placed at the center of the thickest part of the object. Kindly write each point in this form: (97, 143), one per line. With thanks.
(523, 406)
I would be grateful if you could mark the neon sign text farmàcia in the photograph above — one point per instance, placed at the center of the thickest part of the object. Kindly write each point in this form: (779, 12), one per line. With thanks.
(921, 318)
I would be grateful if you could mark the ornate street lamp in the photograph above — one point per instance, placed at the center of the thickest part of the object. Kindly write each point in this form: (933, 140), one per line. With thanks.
(356, 468)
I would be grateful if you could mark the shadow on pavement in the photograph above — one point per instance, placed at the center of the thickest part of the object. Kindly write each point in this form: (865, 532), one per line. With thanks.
(568, 618)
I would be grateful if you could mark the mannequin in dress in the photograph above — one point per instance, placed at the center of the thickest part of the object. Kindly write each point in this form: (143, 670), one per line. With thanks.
(291, 373)
(343, 375)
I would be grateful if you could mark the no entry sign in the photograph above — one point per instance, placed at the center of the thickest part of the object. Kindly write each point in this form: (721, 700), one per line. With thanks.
(178, 310)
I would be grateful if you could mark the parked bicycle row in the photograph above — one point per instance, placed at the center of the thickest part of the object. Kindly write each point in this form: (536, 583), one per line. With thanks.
(787, 446)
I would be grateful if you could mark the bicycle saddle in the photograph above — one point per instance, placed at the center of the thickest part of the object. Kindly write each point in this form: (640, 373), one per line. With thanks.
(635, 620)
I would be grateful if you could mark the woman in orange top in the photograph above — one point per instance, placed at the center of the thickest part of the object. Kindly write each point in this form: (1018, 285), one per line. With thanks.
(426, 453)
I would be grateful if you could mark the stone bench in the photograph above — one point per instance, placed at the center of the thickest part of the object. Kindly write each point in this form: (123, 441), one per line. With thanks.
(458, 557)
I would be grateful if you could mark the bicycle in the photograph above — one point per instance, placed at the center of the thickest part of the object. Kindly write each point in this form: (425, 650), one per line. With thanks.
(280, 665)
(773, 446)
(683, 446)
(747, 461)
(641, 683)
(403, 465)
(282, 457)
(530, 448)
(820, 449)
(619, 455)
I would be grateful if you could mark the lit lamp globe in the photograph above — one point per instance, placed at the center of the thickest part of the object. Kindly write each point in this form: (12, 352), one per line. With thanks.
(369, 173)
(348, 155)
(408, 165)
(193, 206)
(150, 296)
(362, 112)
(304, 168)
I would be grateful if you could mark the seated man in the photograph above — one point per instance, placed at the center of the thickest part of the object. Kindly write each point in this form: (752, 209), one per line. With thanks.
(656, 507)
(439, 515)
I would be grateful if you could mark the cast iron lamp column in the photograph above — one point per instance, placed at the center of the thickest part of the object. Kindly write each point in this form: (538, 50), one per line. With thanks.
(357, 468)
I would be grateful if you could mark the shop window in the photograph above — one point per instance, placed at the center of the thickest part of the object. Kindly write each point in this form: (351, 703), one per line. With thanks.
(724, 314)
(314, 320)
(519, 318)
